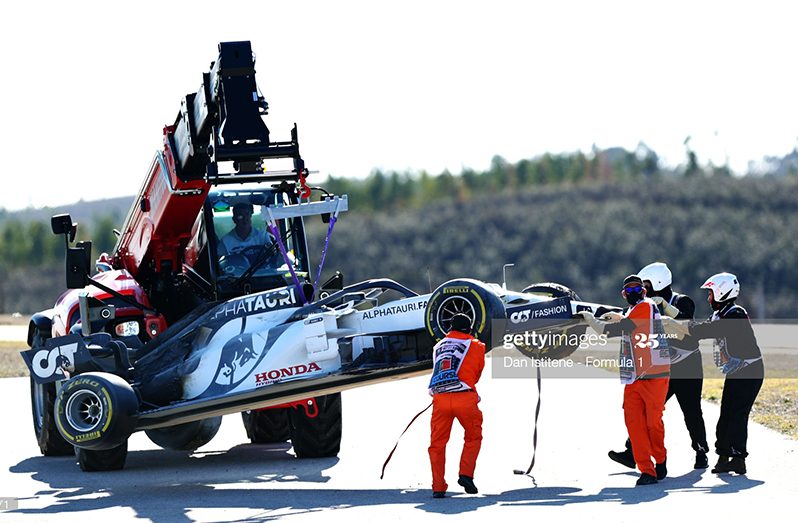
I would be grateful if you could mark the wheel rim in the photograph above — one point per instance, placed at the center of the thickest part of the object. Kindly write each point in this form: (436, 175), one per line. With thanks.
(84, 410)
(451, 306)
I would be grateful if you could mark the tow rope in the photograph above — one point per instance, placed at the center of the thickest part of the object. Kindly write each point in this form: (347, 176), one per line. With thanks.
(517, 471)
(400, 437)
(535, 434)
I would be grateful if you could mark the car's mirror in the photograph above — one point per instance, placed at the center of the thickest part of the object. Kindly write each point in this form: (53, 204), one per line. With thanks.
(62, 224)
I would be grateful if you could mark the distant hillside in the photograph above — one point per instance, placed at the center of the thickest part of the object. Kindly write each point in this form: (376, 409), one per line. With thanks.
(81, 212)
(589, 238)
(582, 220)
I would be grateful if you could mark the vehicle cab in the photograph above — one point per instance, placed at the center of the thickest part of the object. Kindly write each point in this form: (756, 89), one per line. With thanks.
(249, 238)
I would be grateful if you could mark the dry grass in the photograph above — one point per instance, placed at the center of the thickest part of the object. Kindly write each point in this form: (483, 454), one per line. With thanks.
(14, 319)
(775, 407)
(11, 363)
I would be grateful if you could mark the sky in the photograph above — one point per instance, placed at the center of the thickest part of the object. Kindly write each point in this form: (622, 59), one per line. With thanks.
(413, 85)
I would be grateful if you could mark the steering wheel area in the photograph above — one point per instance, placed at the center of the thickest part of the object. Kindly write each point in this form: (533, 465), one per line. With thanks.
(234, 264)
(250, 259)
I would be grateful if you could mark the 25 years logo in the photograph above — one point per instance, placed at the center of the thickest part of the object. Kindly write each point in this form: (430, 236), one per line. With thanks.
(644, 341)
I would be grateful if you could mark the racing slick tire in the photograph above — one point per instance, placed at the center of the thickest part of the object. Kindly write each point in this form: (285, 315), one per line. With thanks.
(555, 351)
(186, 436)
(318, 436)
(42, 401)
(464, 296)
(267, 425)
(96, 410)
(102, 460)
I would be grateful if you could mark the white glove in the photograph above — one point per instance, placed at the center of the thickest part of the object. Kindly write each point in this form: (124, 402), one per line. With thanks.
(666, 307)
(611, 317)
(592, 321)
(676, 328)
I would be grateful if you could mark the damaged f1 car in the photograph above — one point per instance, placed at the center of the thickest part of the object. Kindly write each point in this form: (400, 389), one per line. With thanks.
(207, 306)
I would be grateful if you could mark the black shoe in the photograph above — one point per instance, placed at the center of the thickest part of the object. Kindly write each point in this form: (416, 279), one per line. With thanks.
(437, 494)
(662, 470)
(701, 461)
(737, 464)
(468, 484)
(625, 458)
(722, 465)
(646, 479)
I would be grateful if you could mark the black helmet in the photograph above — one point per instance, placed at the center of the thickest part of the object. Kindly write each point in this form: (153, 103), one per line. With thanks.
(632, 278)
(633, 290)
(461, 323)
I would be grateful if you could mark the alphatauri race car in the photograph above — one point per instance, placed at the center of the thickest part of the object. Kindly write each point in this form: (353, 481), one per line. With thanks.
(180, 326)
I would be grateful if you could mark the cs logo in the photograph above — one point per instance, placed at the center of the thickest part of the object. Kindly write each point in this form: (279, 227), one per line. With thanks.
(46, 363)
(520, 316)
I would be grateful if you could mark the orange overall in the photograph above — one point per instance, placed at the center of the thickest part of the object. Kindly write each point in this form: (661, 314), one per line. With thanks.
(460, 403)
(644, 398)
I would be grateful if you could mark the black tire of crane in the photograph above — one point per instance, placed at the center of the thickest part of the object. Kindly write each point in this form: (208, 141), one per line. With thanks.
(42, 400)
(319, 436)
(186, 436)
(267, 425)
(102, 460)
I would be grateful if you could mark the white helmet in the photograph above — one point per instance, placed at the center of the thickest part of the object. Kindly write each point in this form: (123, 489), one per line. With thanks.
(724, 286)
(658, 274)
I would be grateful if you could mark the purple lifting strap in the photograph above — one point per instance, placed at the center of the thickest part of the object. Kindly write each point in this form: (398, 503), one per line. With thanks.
(276, 233)
(333, 219)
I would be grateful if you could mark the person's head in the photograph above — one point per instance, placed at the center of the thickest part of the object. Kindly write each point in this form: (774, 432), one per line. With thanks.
(633, 290)
(461, 323)
(723, 288)
(242, 217)
(657, 279)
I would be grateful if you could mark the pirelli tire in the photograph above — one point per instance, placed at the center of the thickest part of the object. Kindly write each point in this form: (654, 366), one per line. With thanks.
(564, 348)
(186, 436)
(42, 400)
(96, 411)
(319, 435)
(267, 425)
(470, 297)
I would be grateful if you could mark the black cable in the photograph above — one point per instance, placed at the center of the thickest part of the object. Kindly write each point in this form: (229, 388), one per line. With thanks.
(535, 435)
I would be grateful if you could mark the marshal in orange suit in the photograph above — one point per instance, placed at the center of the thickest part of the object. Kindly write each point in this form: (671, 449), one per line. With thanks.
(458, 360)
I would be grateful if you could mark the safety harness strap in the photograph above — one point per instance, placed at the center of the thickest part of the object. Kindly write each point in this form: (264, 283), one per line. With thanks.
(400, 437)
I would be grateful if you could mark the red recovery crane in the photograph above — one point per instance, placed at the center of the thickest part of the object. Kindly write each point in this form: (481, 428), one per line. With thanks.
(219, 136)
